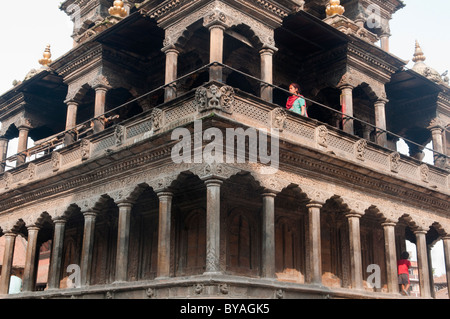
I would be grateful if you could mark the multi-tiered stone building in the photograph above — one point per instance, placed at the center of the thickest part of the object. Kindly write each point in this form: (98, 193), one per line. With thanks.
(122, 219)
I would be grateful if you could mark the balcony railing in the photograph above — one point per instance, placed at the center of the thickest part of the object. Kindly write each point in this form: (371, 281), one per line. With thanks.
(52, 157)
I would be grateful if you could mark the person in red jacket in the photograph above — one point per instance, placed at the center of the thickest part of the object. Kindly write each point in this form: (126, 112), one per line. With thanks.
(403, 272)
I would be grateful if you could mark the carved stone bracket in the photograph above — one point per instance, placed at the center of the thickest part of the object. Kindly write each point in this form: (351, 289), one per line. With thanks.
(163, 183)
(394, 160)
(278, 118)
(215, 18)
(215, 98)
(119, 135)
(322, 135)
(424, 172)
(31, 171)
(100, 81)
(316, 195)
(56, 161)
(8, 179)
(356, 206)
(360, 149)
(157, 119)
(123, 194)
(220, 171)
(85, 147)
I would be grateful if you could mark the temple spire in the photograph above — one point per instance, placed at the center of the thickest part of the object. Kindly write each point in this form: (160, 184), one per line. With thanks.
(334, 7)
(418, 54)
(118, 10)
(45, 61)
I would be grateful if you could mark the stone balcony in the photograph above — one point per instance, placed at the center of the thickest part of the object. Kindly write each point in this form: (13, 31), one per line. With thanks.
(240, 107)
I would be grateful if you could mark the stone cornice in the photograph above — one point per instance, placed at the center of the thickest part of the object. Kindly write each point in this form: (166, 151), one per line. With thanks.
(325, 169)
(80, 61)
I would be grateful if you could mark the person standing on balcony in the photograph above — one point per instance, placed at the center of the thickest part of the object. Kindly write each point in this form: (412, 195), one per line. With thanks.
(296, 103)
(403, 272)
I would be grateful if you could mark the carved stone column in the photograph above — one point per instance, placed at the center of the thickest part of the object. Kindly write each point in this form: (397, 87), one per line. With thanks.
(8, 254)
(384, 40)
(71, 121)
(267, 73)
(268, 235)
(171, 72)
(391, 256)
(366, 130)
(315, 255)
(88, 246)
(165, 216)
(100, 104)
(3, 153)
(216, 23)
(213, 226)
(216, 51)
(123, 241)
(446, 241)
(438, 143)
(57, 251)
(29, 273)
(422, 260)
(430, 271)
(22, 145)
(380, 121)
(347, 108)
(355, 250)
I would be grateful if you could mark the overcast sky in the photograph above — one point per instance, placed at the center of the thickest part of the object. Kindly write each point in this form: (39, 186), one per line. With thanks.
(27, 26)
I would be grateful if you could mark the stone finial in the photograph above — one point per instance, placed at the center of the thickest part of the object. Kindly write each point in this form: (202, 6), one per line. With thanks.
(118, 10)
(45, 61)
(334, 7)
(418, 54)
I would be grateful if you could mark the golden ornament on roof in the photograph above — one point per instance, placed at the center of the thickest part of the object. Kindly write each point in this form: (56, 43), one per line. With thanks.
(334, 7)
(118, 10)
(418, 54)
(45, 61)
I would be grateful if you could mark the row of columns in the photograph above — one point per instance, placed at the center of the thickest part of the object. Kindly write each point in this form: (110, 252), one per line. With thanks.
(22, 146)
(347, 110)
(215, 71)
(99, 110)
(213, 188)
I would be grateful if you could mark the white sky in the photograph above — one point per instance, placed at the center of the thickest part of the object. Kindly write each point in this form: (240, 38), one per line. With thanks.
(27, 26)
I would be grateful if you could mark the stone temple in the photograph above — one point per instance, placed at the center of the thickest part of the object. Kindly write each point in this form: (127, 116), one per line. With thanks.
(324, 211)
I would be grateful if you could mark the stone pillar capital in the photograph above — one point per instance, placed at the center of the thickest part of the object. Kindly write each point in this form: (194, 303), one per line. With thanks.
(213, 182)
(419, 232)
(268, 50)
(90, 213)
(33, 228)
(354, 214)
(269, 193)
(71, 102)
(388, 223)
(171, 48)
(381, 101)
(314, 204)
(125, 204)
(346, 88)
(60, 220)
(10, 233)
